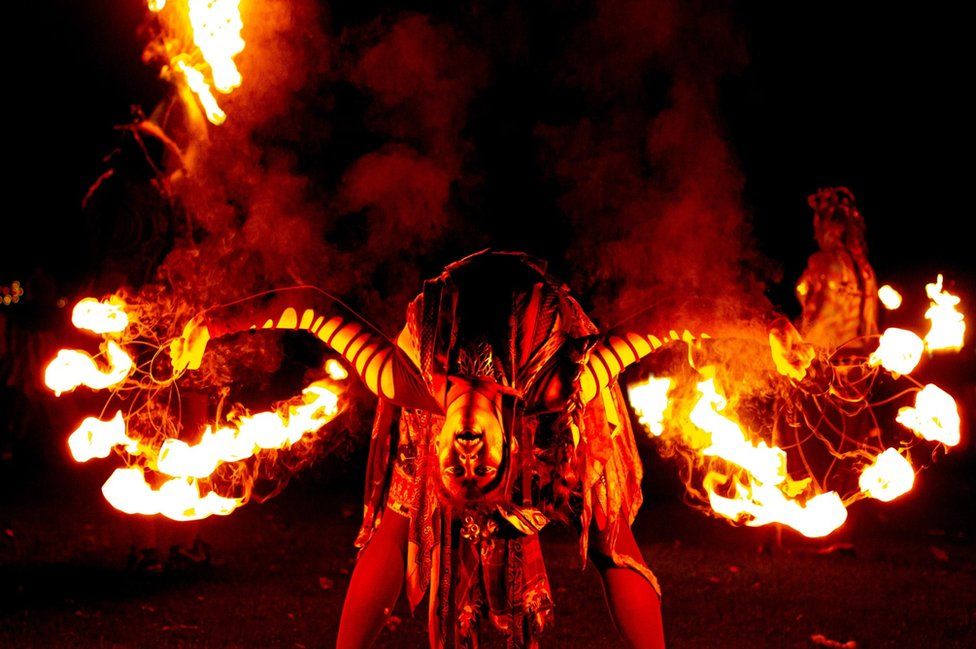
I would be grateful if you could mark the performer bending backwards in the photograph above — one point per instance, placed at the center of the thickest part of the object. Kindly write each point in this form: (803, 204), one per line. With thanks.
(499, 412)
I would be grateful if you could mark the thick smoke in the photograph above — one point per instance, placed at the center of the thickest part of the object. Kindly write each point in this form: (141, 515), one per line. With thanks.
(374, 203)
(653, 191)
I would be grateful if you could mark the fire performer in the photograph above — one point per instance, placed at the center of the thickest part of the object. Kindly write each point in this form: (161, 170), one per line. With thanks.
(838, 290)
(499, 412)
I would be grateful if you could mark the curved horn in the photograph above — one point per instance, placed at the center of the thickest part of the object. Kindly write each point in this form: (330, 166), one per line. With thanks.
(612, 356)
(385, 368)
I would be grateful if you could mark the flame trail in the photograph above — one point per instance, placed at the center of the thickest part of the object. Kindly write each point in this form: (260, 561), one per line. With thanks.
(899, 351)
(891, 475)
(935, 416)
(948, 329)
(191, 471)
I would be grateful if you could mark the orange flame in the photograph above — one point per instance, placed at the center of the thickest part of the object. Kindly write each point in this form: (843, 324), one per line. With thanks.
(217, 29)
(215, 32)
(263, 430)
(105, 317)
(935, 416)
(899, 351)
(72, 368)
(762, 491)
(335, 370)
(96, 438)
(764, 504)
(650, 399)
(891, 475)
(728, 441)
(178, 498)
(948, 329)
(198, 84)
(890, 298)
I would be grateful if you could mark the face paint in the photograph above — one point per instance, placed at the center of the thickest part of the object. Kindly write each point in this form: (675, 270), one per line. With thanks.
(471, 444)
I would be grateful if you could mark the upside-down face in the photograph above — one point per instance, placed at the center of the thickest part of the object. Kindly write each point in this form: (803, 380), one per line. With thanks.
(471, 448)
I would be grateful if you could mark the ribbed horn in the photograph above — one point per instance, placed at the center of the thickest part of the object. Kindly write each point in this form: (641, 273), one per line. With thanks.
(612, 356)
(385, 368)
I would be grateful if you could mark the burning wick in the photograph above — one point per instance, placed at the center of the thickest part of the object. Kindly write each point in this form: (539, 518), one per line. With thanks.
(890, 298)
(899, 351)
(105, 317)
(935, 416)
(650, 400)
(948, 325)
(890, 476)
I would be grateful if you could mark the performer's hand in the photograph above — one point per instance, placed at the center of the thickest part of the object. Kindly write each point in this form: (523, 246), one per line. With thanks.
(187, 350)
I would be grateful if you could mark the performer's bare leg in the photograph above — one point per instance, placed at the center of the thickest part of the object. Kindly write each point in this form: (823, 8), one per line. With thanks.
(375, 585)
(633, 602)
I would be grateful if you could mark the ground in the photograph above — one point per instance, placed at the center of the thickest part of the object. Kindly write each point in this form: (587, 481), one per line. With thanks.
(280, 570)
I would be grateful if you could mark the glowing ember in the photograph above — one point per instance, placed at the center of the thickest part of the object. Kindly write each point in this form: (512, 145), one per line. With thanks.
(890, 298)
(96, 438)
(71, 368)
(890, 476)
(948, 325)
(935, 416)
(263, 430)
(178, 498)
(650, 399)
(767, 464)
(764, 504)
(899, 351)
(105, 317)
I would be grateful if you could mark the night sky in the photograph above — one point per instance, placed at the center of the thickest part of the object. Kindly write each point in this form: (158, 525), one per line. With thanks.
(868, 95)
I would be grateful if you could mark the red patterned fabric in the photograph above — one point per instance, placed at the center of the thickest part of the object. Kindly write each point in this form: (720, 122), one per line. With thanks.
(577, 465)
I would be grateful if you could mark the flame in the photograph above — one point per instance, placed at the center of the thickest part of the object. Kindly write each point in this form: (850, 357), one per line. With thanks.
(935, 416)
(890, 298)
(899, 351)
(105, 317)
(763, 504)
(215, 32)
(335, 370)
(728, 441)
(791, 356)
(217, 29)
(761, 489)
(177, 498)
(891, 475)
(72, 367)
(184, 465)
(263, 430)
(948, 328)
(650, 399)
(96, 438)
(198, 84)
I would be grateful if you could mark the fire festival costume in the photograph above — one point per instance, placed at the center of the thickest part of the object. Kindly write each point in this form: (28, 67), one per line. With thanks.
(479, 561)
(499, 411)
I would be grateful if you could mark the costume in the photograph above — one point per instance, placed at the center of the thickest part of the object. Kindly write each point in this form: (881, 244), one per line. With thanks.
(500, 318)
(838, 289)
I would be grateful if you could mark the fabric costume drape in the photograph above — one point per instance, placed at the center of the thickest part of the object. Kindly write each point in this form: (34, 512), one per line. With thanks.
(499, 316)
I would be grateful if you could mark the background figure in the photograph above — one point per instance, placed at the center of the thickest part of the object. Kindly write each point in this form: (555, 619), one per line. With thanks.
(838, 290)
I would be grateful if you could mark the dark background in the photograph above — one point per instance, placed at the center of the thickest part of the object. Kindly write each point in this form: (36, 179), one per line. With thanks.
(868, 95)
